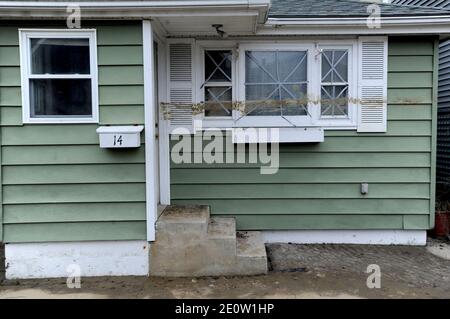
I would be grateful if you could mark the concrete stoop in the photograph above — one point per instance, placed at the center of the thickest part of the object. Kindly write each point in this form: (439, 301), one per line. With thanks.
(191, 243)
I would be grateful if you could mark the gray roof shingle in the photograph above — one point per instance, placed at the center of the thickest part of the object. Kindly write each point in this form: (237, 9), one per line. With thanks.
(342, 8)
(440, 4)
(316, 8)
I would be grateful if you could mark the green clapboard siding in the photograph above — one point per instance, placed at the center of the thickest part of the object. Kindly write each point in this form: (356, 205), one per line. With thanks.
(318, 185)
(318, 221)
(58, 185)
(76, 231)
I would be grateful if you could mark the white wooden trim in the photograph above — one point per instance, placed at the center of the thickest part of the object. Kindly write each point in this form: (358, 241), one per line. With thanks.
(74, 32)
(25, 69)
(282, 135)
(164, 142)
(149, 111)
(199, 69)
(353, 64)
(362, 237)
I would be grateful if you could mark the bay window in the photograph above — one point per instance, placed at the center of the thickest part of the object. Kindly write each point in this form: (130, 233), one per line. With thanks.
(289, 84)
(299, 86)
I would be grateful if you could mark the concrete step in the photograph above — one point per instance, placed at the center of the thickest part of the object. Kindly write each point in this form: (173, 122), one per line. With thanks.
(251, 256)
(190, 243)
(183, 222)
(222, 228)
(222, 240)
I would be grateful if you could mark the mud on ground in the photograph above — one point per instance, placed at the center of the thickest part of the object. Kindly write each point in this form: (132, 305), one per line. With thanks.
(297, 271)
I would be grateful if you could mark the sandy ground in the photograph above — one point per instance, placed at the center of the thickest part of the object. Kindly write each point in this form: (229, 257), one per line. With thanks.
(298, 271)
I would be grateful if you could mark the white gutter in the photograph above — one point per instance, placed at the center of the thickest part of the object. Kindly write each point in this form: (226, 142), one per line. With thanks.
(358, 20)
(154, 3)
(357, 25)
(134, 9)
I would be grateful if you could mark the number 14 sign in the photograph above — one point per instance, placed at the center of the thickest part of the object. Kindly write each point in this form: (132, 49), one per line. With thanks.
(120, 136)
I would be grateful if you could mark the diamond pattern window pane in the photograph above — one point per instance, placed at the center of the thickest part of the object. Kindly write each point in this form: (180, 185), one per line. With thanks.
(295, 99)
(292, 66)
(260, 67)
(334, 89)
(218, 101)
(276, 83)
(334, 100)
(218, 73)
(335, 66)
(260, 100)
(218, 66)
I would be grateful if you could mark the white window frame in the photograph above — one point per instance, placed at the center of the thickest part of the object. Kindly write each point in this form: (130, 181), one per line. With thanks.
(314, 72)
(25, 35)
(200, 48)
(351, 121)
(275, 121)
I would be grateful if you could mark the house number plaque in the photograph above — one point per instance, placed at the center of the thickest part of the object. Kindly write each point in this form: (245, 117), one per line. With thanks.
(120, 136)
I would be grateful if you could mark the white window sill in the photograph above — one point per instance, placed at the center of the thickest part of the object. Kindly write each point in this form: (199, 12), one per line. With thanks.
(60, 121)
(278, 135)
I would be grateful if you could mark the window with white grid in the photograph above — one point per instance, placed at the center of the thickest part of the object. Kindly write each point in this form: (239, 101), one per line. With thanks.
(278, 84)
(218, 83)
(334, 86)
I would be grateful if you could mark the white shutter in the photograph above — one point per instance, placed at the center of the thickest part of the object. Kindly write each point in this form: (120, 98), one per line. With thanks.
(180, 84)
(372, 84)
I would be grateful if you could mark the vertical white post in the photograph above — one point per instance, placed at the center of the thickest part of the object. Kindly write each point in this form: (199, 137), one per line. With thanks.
(149, 114)
(164, 147)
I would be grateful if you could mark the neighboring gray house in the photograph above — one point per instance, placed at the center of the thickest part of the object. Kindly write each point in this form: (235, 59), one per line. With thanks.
(443, 137)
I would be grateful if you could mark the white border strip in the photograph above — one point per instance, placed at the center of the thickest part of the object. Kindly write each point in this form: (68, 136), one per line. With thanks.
(149, 114)
(358, 20)
(366, 237)
(87, 259)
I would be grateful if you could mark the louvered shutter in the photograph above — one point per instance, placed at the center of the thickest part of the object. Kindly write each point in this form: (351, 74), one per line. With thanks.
(372, 84)
(180, 84)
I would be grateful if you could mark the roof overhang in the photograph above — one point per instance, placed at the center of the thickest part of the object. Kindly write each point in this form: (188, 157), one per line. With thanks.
(411, 25)
(239, 17)
(176, 16)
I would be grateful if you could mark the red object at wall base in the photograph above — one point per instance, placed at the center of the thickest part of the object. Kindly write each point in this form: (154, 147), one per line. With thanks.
(442, 224)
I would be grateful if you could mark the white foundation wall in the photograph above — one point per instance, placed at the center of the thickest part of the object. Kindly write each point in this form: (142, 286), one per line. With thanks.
(61, 259)
(368, 237)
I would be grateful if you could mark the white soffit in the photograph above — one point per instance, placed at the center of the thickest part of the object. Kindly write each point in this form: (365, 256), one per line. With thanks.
(239, 24)
(178, 17)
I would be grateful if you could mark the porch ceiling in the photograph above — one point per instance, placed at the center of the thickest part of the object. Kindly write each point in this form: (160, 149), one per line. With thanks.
(177, 17)
(202, 25)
